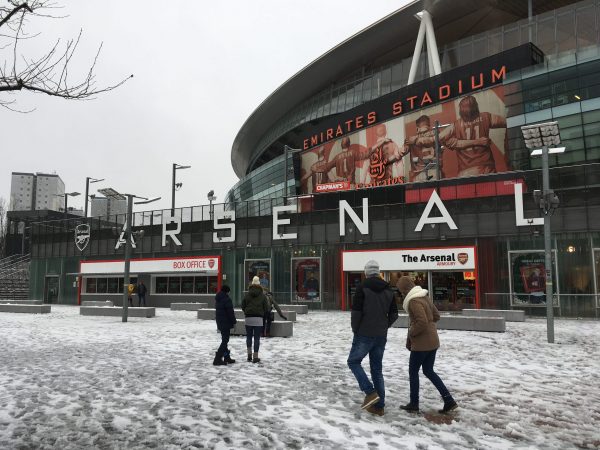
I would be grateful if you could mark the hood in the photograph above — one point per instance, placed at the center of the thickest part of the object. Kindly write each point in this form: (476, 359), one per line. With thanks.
(254, 290)
(376, 284)
(221, 295)
(415, 292)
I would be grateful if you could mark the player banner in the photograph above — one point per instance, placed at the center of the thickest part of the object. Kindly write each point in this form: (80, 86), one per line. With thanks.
(472, 137)
(306, 279)
(260, 268)
(529, 279)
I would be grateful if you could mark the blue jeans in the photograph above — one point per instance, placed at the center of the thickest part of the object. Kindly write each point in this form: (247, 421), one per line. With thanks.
(374, 347)
(426, 360)
(256, 332)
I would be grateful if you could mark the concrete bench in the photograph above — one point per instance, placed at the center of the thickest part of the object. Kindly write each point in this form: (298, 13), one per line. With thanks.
(29, 309)
(300, 309)
(510, 315)
(21, 302)
(188, 306)
(97, 303)
(113, 311)
(209, 314)
(463, 323)
(278, 329)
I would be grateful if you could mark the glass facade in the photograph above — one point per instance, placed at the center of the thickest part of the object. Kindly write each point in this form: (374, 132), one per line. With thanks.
(567, 36)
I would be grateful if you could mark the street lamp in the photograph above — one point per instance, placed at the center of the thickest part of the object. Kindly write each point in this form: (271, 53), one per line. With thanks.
(89, 180)
(67, 195)
(286, 150)
(438, 148)
(545, 135)
(127, 233)
(211, 198)
(176, 185)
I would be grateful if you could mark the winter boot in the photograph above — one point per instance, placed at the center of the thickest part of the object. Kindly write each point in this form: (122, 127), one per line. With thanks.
(249, 354)
(227, 358)
(370, 400)
(219, 360)
(449, 405)
(376, 410)
(255, 358)
(410, 408)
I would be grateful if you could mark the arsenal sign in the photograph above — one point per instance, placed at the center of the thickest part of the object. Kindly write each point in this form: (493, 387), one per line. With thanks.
(82, 236)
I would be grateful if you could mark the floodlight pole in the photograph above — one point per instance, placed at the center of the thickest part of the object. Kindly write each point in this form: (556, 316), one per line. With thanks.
(438, 153)
(173, 190)
(548, 248)
(127, 237)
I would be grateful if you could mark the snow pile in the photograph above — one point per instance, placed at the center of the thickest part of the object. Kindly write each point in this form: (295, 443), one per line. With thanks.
(70, 382)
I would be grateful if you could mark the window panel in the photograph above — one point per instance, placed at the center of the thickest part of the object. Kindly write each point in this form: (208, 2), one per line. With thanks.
(187, 285)
(200, 285)
(213, 283)
(174, 285)
(162, 285)
(101, 286)
(113, 285)
(90, 285)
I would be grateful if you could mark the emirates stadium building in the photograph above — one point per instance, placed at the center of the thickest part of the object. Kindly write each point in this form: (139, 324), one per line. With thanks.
(403, 144)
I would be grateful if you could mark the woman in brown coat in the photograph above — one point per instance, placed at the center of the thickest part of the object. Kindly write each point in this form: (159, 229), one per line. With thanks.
(423, 342)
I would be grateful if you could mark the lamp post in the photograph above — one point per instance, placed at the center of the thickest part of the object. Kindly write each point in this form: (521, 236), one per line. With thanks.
(127, 233)
(438, 148)
(287, 150)
(211, 198)
(89, 180)
(175, 185)
(544, 138)
(67, 195)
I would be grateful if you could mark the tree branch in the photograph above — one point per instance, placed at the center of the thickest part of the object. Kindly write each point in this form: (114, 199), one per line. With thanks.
(14, 11)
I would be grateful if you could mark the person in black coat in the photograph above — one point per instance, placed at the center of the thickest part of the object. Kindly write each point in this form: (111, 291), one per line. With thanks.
(226, 320)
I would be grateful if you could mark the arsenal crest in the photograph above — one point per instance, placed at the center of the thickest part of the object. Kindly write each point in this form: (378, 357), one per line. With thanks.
(82, 236)
(463, 258)
(211, 263)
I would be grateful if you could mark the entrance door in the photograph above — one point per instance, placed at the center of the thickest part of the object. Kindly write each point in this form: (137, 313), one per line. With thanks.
(51, 289)
(453, 291)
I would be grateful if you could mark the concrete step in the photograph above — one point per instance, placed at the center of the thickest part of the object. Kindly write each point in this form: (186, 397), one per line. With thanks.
(22, 302)
(491, 324)
(510, 315)
(146, 312)
(300, 309)
(29, 309)
(188, 306)
(97, 303)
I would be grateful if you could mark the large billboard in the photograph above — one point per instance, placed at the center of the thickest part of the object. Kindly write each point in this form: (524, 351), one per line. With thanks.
(472, 138)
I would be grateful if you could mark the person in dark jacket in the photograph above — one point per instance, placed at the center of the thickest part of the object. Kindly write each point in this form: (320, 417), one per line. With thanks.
(226, 320)
(141, 292)
(374, 310)
(423, 342)
(255, 306)
(270, 316)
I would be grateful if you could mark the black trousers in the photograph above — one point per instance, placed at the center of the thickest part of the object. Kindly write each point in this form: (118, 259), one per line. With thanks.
(224, 341)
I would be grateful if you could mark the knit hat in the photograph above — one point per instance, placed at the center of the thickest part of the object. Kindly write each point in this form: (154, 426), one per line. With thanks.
(405, 284)
(372, 268)
(256, 281)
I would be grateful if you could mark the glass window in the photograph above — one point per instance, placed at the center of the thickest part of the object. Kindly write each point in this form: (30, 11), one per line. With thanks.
(200, 285)
(187, 285)
(545, 36)
(113, 285)
(161, 285)
(213, 284)
(121, 284)
(386, 80)
(90, 285)
(174, 285)
(101, 286)
(587, 34)
(565, 32)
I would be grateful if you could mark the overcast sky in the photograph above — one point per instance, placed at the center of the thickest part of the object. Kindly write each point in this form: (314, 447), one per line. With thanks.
(200, 68)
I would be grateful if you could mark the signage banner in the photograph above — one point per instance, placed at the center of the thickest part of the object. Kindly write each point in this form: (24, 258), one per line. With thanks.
(260, 268)
(450, 258)
(529, 279)
(306, 279)
(330, 187)
(472, 139)
(205, 265)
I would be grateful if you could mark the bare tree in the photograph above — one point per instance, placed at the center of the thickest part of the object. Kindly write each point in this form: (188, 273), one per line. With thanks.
(49, 73)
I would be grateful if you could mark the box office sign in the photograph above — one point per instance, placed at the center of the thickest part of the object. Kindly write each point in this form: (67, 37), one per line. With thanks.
(449, 258)
(205, 265)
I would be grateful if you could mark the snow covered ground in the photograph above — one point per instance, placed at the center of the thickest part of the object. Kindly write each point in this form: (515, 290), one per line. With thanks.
(74, 382)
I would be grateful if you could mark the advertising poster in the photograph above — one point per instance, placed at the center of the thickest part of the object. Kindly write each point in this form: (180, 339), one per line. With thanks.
(529, 279)
(472, 138)
(260, 268)
(306, 279)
